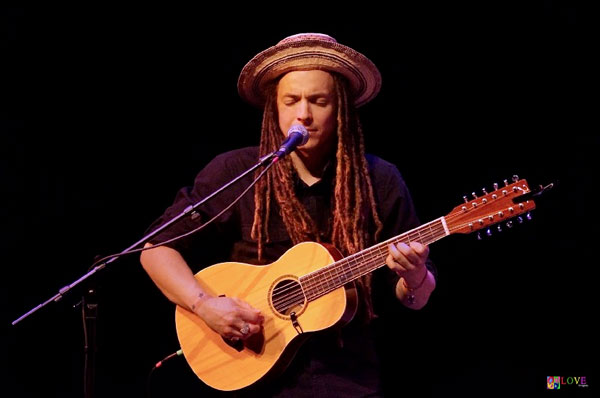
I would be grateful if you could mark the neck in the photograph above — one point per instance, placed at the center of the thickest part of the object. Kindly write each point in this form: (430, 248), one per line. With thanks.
(309, 169)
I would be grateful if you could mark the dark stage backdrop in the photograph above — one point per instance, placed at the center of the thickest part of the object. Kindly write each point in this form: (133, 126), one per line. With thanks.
(108, 111)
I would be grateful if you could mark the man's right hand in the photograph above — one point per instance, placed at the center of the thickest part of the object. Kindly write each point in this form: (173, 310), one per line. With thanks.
(230, 317)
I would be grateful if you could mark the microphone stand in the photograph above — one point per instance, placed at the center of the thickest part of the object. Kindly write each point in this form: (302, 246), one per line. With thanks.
(89, 314)
(89, 302)
(190, 210)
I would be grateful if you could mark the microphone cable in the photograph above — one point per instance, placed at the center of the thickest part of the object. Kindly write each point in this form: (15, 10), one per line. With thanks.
(177, 353)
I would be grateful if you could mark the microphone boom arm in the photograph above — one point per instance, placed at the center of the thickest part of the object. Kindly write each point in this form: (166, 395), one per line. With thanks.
(190, 210)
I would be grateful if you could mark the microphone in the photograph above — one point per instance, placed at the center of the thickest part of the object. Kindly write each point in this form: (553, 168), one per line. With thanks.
(297, 136)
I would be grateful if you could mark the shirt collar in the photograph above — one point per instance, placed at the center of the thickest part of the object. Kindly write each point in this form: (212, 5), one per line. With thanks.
(323, 184)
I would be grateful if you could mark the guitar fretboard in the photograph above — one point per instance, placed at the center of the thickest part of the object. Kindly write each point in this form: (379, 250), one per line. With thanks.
(336, 275)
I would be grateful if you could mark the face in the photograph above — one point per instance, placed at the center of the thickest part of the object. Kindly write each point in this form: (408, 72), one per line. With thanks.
(308, 98)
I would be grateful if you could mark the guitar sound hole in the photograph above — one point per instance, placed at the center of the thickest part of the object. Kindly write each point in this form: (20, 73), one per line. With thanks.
(287, 296)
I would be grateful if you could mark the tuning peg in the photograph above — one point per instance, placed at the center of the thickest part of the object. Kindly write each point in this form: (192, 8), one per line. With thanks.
(488, 232)
(528, 216)
(474, 195)
(499, 228)
(484, 191)
(495, 186)
(479, 236)
(520, 220)
(515, 178)
(505, 183)
(465, 199)
(509, 224)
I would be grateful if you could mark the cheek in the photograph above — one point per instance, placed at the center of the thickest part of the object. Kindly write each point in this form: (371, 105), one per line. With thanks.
(328, 119)
(284, 115)
(285, 118)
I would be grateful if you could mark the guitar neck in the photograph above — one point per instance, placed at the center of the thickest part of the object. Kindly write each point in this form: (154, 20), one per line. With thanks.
(481, 212)
(336, 275)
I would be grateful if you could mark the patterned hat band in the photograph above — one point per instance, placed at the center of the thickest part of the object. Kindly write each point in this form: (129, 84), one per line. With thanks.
(309, 51)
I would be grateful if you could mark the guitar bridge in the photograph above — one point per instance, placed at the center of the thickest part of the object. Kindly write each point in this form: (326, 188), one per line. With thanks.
(295, 324)
(237, 345)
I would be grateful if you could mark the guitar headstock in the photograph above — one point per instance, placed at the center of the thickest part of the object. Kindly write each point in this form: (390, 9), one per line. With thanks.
(500, 205)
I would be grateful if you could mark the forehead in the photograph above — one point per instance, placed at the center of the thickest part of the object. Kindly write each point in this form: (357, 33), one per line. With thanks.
(306, 81)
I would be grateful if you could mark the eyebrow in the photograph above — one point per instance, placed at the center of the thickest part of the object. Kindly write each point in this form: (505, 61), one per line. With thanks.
(320, 94)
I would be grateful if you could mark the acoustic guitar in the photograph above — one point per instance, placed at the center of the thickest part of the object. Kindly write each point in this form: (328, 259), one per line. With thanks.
(309, 288)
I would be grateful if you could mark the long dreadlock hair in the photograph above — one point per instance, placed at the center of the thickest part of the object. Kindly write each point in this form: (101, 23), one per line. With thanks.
(355, 223)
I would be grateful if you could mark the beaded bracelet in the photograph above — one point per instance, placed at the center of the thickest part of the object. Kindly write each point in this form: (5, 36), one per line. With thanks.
(410, 298)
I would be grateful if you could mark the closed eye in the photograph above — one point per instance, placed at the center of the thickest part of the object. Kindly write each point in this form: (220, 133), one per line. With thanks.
(290, 100)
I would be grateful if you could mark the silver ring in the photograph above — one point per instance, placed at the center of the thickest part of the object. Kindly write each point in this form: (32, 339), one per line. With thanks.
(245, 329)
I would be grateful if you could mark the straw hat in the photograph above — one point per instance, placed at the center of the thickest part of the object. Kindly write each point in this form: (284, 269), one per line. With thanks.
(307, 51)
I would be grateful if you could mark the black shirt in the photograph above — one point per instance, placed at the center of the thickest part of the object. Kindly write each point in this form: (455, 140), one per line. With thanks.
(333, 362)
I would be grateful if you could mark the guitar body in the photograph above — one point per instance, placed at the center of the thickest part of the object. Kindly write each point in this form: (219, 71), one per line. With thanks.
(288, 318)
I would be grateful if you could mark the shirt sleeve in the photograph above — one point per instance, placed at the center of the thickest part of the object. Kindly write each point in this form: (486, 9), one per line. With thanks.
(398, 215)
(217, 173)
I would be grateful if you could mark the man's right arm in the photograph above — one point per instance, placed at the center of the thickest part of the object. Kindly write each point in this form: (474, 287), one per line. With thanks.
(225, 315)
(170, 272)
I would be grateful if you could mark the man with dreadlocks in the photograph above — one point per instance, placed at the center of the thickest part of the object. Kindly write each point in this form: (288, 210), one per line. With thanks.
(326, 191)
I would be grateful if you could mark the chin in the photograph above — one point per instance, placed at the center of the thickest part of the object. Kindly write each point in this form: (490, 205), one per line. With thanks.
(310, 151)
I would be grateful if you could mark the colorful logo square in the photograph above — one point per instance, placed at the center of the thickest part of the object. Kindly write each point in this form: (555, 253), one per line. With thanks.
(553, 382)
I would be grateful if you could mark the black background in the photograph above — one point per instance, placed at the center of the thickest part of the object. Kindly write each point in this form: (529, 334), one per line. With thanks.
(108, 111)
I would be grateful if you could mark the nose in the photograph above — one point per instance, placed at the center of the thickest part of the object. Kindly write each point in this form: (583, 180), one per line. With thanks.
(304, 114)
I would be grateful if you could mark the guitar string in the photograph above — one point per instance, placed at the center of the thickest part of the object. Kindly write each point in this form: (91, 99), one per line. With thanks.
(367, 255)
(316, 284)
(298, 297)
(448, 218)
(319, 288)
(379, 250)
(309, 280)
(377, 253)
(316, 287)
(313, 284)
(368, 261)
(373, 255)
(418, 232)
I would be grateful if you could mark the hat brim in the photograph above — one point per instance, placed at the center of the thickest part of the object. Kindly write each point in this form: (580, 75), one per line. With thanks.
(363, 76)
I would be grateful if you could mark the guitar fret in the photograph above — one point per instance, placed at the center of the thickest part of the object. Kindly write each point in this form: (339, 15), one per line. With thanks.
(347, 271)
(330, 282)
(430, 230)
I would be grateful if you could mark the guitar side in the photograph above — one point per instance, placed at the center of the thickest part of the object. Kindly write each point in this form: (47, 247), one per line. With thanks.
(227, 366)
